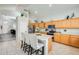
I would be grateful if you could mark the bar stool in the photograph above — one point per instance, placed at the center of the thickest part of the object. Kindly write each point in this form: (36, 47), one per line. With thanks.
(36, 46)
(23, 40)
(27, 43)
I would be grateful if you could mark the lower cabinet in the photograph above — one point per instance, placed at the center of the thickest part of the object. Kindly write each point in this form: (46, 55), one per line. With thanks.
(72, 40)
(65, 39)
(57, 37)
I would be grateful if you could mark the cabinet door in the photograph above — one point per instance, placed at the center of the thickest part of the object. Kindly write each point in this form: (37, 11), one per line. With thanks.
(36, 25)
(41, 25)
(74, 41)
(47, 24)
(57, 37)
(67, 25)
(63, 24)
(65, 38)
(58, 24)
(74, 23)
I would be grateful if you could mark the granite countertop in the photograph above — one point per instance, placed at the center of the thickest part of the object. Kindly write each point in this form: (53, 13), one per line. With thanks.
(69, 33)
(44, 37)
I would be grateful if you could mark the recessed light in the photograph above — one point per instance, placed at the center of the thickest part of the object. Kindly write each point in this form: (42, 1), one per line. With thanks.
(36, 12)
(50, 5)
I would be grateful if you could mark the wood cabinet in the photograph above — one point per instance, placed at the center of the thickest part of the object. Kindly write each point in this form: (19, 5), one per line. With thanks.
(68, 23)
(74, 41)
(59, 24)
(35, 24)
(57, 37)
(62, 38)
(65, 38)
(74, 23)
(47, 24)
(63, 24)
(41, 25)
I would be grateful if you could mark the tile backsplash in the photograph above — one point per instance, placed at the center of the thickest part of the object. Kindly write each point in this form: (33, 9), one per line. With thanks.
(68, 31)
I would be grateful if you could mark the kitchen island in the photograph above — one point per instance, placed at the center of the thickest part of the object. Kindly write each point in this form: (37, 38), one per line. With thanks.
(47, 41)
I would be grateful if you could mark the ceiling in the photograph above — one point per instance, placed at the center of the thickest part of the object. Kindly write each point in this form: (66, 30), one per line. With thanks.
(41, 11)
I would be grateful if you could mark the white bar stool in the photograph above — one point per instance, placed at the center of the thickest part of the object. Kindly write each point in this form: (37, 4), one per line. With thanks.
(36, 46)
(23, 40)
(27, 42)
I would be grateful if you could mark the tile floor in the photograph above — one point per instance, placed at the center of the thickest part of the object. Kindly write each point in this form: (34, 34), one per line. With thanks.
(61, 49)
(6, 37)
(8, 47)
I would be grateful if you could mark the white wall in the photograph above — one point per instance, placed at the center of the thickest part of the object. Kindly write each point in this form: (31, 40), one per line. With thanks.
(7, 24)
(56, 12)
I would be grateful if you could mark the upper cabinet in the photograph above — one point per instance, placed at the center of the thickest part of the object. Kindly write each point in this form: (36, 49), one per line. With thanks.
(68, 23)
(35, 24)
(65, 23)
(48, 23)
(74, 23)
(41, 25)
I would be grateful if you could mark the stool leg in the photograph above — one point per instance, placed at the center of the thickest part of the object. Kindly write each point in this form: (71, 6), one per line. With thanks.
(21, 44)
(30, 50)
(36, 52)
(42, 51)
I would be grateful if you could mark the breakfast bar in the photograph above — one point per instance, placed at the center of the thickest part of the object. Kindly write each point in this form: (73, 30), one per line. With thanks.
(47, 40)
